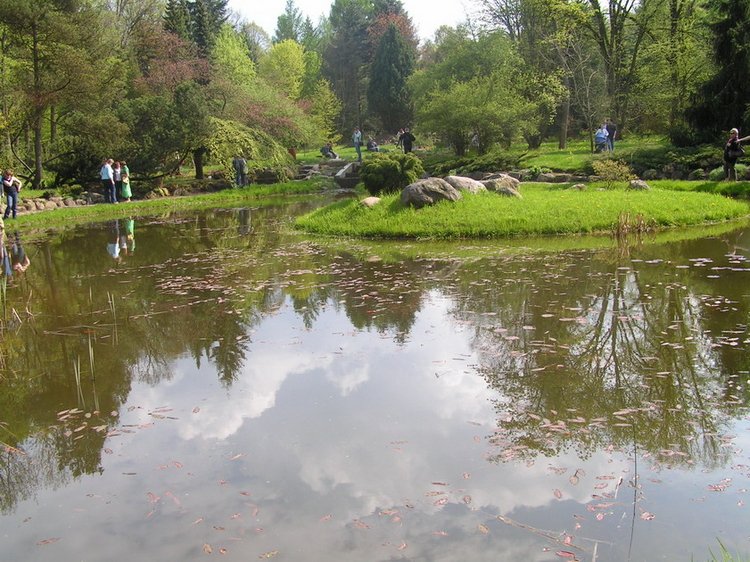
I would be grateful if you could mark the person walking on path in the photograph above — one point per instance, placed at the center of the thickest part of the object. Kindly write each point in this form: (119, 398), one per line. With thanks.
(107, 176)
(732, 152)
(240, 170)
(611, 134)
(357, 141)
(11, 187)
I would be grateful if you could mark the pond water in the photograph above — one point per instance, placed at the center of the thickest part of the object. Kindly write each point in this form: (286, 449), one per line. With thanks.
(211, 384)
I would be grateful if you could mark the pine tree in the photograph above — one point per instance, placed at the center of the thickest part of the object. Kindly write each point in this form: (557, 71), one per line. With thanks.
(724, 100)
(208, 16)
(289, 25)
(177, 19)
(387, 94)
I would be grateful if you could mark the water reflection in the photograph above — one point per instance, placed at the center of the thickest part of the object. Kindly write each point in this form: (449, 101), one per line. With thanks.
(322, 381)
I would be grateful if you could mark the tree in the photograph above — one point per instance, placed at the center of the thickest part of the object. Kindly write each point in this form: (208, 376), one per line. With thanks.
(177, 19)
(208, 16)
(324, 106)
(231, 58)
(723, 101)
(345, 60)
(64, 59)
(290, 24)
(283, 66)
(256, 38)
(387, 94)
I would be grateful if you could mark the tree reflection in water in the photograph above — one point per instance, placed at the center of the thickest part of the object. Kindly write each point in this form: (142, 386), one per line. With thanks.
(586, 350)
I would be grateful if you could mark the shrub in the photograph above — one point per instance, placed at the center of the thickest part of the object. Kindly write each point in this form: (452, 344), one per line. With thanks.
(717, 174)
(385, 173)
(611, 171)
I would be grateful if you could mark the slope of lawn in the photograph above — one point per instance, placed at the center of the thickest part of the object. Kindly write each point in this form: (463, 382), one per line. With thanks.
(542, 210)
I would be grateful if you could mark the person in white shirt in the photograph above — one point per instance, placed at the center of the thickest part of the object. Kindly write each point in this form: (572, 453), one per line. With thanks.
(107, 176)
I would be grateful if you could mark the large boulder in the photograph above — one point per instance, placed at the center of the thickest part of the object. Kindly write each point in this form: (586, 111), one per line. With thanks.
(462, 183)
(428, 192)
(638, 185)
(496, 182)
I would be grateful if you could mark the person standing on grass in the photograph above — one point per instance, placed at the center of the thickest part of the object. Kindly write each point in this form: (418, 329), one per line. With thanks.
(126, 192)
(107, 176)
(11, 187)
(357, 141)
(407, 140)
(611, 134)
(732, 152)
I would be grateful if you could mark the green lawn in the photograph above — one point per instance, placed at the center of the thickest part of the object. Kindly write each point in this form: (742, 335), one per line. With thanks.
(543, 210)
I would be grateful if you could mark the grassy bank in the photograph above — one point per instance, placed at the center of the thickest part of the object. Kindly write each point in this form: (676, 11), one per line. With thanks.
(543, 210)
(255, 194)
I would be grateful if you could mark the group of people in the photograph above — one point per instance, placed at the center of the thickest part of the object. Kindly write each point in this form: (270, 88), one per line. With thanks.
(11, 187)
(404, 140)
(115, 178)
(604, 137)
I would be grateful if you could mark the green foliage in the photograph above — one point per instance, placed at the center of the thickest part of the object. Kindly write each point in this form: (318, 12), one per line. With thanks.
(717, 174)
(177, 18)
(231, 57)
(228, 139)
(612, 171)
(494, 161)
(283, 66)
(325, 108)
(385, 173)
(387, 93)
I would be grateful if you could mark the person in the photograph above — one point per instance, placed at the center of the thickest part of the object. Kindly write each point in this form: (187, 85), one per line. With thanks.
(732, 151)
(113, 246)
(11, 187)
(240, 170)
(400, 139)
(19, 259)
(372, 146)
(611, 134)
(600, 139)
(108, 181)
(126, 192)
(327, 150)
(357, 141)
(407, 140)
(117, 175)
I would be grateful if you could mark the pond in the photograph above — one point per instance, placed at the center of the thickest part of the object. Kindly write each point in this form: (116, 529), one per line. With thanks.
(211, 384)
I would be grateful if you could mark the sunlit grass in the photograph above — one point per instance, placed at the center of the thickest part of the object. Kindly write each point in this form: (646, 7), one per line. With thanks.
(542, 211)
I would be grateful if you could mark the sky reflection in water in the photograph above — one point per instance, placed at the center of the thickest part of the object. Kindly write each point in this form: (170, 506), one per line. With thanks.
(262, 395)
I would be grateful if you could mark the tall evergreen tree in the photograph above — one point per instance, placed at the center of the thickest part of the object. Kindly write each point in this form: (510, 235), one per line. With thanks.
(289, 25)
(208, 16)
(387, 94)
(723, 101)
(177, 18)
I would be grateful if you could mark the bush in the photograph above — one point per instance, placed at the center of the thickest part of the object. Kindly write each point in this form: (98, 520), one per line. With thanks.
(386, 173)
(717, 174)
(611, 171)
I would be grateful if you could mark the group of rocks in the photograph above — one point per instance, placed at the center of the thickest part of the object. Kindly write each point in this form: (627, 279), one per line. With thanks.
(429, 191)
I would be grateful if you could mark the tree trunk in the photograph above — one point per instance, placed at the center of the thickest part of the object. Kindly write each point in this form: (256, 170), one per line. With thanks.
(52, 124)
(564, 117)
(36, 123)
(198, 154)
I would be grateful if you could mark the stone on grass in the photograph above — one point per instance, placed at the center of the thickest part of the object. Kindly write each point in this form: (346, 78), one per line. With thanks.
(462, 183)
(579, 186)
(638, 185)
(429, 192)
(370, 202)
(501, 179)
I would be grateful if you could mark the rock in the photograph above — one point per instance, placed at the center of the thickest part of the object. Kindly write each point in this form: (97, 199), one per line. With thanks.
(370, 202)
(650, 174)
(639, 185)
(550, 177)
(180, 191)
(511, 178)
(466, 184)
(514, 174)
(428, 192)
(579, 186)
(348, 176)
(69, 202)
(502, 181)
(49, 205)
